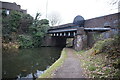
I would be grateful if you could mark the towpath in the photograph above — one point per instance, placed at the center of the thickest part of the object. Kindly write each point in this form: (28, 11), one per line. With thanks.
(71, 67)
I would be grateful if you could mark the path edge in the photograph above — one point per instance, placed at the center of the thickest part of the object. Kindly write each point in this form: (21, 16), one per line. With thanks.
(49, 72)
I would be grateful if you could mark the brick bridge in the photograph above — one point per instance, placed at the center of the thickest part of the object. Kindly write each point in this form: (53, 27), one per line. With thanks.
(83, 31)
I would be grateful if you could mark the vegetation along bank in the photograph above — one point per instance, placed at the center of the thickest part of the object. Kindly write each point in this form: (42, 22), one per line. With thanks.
(21, 30)
(103, 60)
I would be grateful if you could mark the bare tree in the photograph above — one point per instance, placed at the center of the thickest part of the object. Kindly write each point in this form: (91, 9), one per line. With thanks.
(54, 18)
(113, 2)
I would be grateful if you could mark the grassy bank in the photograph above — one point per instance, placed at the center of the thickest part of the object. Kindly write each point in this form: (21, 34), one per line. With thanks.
(49, 72)
(102, 61)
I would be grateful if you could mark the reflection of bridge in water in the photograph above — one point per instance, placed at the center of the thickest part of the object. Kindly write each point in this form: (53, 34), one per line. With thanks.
(83, 31)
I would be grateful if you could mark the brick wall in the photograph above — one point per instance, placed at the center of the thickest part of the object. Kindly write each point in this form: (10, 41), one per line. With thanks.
(11, 6)
(100, 21)
(114, 21)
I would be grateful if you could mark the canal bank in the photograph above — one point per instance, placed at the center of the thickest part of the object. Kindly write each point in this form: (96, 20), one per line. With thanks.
(67, 66)
(49, 72)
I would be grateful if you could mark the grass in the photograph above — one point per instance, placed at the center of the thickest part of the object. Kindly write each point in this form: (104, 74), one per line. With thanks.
(99, 63)
(92, 68)
(49, 72)
(100, 45)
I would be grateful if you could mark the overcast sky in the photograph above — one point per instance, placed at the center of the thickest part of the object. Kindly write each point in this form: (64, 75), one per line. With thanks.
(68, 9)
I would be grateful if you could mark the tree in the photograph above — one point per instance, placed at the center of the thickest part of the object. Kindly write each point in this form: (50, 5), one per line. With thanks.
(113, 2)
(14, 24)
(37, 30)
(25, 22)
(39, 27)
(54, 19)
(10, 25)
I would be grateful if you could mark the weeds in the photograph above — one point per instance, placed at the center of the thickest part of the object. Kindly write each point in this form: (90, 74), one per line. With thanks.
(103, 60)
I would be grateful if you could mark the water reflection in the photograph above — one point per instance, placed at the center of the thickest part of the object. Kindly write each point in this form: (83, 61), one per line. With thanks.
(31, 75)
(28, 63)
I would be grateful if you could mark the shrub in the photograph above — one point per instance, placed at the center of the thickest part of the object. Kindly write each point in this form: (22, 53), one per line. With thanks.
(25, 41)
(101, 46)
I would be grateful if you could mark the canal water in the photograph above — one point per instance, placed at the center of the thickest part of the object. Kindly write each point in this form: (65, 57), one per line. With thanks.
(28, 63)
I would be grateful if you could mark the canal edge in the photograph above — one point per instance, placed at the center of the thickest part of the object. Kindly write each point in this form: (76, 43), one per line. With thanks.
(50, 71)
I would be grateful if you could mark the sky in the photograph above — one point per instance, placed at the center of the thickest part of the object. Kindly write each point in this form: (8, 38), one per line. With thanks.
(68, 9)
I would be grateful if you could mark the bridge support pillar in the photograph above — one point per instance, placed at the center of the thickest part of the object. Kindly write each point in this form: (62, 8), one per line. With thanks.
(80, 40)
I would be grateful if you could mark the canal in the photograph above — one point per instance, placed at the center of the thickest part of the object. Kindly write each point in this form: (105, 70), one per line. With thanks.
(28, 63)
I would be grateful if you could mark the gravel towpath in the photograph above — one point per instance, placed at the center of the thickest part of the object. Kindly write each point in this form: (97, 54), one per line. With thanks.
(71, 67)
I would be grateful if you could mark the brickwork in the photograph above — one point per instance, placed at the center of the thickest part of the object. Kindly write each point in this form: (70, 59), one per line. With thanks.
(11, 6)
(84, 40)
(113, 19)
